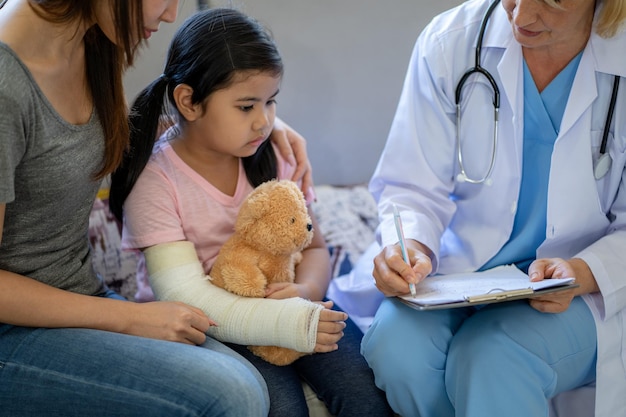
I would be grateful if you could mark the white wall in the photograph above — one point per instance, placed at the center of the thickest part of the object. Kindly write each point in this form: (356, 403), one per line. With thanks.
(149, 64)
(344, 65)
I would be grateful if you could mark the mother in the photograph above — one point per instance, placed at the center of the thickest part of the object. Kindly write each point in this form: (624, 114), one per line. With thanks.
(68, 345)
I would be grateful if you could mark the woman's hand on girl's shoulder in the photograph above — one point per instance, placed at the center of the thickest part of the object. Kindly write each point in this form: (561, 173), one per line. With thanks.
(292, 147)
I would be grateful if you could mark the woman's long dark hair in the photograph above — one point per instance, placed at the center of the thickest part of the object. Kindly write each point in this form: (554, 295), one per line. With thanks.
(207, 51)
(105, 62)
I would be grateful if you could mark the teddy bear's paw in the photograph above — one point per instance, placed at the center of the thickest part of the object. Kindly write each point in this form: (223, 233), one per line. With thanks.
(240, 281)
(276, 355)
(246, 289)
(283, 275)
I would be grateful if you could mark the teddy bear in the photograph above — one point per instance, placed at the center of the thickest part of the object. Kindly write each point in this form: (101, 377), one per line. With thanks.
(271, 230)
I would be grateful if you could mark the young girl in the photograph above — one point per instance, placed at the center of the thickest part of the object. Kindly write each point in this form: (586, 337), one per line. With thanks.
(222, 76)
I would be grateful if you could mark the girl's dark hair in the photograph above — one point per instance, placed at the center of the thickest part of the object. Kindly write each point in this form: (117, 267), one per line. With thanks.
(207, 51)
(105, 62)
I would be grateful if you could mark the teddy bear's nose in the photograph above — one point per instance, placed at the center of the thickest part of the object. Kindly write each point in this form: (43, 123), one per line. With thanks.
(309, 226)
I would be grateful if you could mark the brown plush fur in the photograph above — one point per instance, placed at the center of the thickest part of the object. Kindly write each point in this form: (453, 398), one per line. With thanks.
(272, 228)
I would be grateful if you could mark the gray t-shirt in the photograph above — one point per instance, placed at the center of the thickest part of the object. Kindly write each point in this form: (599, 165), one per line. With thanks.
(46, 182)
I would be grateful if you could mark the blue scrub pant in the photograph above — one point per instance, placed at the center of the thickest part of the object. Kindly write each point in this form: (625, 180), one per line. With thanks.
(83, 372)
(504, 359)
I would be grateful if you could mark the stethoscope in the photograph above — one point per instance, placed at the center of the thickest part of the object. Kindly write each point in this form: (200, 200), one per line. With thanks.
(603, 163)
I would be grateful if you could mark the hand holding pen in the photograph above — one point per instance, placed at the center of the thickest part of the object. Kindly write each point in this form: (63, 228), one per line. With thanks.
(392, 272)
(405, 253)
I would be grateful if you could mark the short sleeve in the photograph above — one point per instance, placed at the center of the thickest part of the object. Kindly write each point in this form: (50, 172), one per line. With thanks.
(151, 215)
(12, 140)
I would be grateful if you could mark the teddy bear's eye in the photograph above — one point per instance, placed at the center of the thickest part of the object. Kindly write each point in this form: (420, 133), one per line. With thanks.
(293, 220)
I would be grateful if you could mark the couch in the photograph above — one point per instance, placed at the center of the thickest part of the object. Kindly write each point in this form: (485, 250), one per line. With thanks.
(348, 218)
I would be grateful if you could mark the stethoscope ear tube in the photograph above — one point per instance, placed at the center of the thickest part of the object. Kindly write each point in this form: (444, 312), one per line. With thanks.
(479, 70)
(463, 177)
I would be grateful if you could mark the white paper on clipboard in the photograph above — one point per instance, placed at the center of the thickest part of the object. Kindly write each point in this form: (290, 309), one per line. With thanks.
(498, 284)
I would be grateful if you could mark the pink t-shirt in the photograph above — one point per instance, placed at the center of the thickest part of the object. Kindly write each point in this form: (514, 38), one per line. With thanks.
(172, 202)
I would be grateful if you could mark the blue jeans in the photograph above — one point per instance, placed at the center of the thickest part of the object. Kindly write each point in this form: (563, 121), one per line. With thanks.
(83, 372)
(504, 359)
(341, 379)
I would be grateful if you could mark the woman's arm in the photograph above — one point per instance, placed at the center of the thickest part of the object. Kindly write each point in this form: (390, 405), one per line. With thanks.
(28, 302)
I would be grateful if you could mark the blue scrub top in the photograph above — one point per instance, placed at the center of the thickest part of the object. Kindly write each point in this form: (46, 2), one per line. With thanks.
(543, 113)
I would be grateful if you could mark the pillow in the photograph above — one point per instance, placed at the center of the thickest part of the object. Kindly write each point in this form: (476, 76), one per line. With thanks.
(348, 217)
(116, 267)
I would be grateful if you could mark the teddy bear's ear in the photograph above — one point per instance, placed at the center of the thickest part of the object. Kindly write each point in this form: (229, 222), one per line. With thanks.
(254, 206)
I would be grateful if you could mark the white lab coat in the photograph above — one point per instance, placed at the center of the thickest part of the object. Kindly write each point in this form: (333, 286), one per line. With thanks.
(466, 224)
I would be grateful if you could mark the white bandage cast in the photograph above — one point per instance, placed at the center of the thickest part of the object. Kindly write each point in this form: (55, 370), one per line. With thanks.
(177, 275)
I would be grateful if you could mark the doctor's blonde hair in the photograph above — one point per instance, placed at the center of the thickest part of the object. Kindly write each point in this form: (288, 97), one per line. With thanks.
(610, 17)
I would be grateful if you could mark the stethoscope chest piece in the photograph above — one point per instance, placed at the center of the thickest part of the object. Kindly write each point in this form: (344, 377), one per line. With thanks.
(461, 177)
(603, 164)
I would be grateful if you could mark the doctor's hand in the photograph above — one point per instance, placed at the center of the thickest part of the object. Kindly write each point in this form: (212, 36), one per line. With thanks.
(392, 275)
(559, 268)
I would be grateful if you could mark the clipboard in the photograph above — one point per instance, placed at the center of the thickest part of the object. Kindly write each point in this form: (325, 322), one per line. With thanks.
(500, 284)
(494, 297)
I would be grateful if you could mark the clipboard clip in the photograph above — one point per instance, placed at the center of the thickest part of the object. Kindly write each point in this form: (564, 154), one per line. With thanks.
(497, 295)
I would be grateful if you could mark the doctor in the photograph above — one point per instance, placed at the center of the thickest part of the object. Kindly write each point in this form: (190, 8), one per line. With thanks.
(534, 176)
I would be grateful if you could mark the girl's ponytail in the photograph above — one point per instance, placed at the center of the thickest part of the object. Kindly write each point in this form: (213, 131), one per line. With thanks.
(144, 120)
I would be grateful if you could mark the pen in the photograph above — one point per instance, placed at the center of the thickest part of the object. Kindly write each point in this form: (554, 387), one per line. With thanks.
(405, 254)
